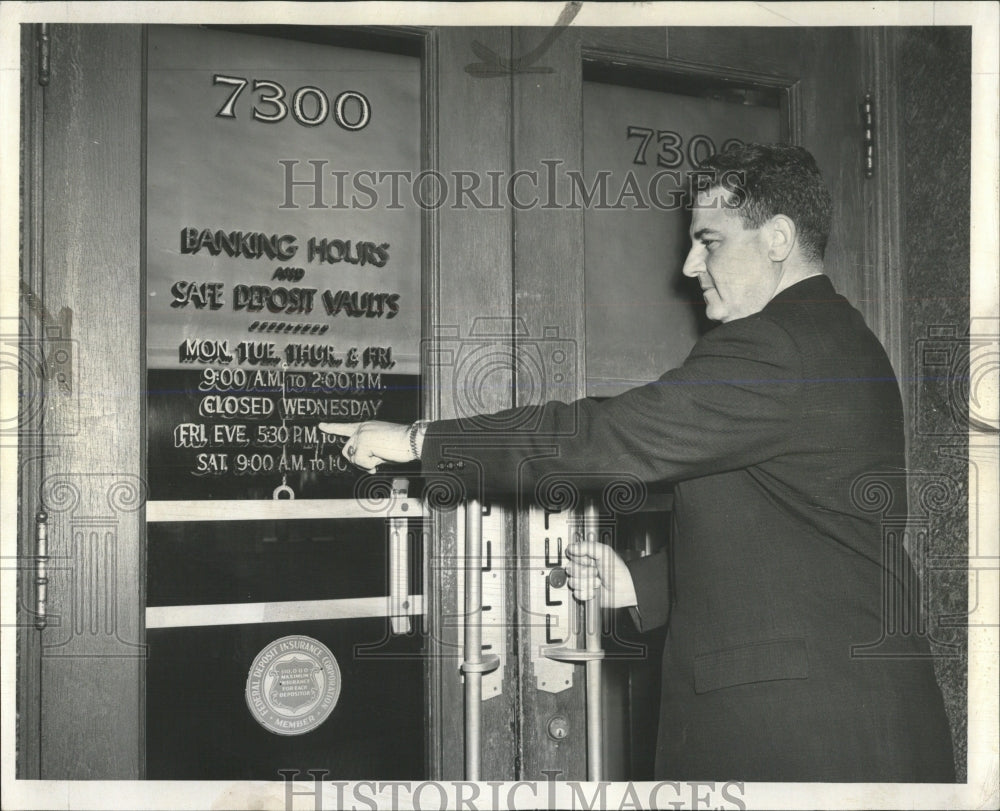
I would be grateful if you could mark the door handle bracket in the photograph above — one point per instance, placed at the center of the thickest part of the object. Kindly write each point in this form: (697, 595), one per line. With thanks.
(493, 609)
(551, 612)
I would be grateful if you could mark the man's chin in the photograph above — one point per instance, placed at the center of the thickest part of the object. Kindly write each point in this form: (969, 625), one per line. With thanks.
(715, 314)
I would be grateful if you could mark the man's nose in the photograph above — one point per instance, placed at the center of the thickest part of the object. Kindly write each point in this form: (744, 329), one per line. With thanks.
(694, 263)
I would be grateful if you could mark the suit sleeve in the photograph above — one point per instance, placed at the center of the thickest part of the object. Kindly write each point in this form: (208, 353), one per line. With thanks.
(650, 577)
(728, 406)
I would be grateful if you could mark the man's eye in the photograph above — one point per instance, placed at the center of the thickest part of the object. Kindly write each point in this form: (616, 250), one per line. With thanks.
(709, 243)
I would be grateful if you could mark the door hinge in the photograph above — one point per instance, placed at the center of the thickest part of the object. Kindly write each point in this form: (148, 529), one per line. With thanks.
(868, 117)
(41, 569)
(43, 54)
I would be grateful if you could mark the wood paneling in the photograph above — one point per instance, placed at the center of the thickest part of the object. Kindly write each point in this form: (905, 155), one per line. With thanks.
(831, 92)
(92, 657)
(31, 443)
(757, 49)
(469, 263)
(882, 258)
(549, 285)
(648, 42)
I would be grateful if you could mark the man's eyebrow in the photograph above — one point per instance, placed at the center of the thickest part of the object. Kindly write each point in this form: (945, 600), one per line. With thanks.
(702, 231)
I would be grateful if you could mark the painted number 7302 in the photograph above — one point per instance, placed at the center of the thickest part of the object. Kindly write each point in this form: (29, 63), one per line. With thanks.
(671, 149)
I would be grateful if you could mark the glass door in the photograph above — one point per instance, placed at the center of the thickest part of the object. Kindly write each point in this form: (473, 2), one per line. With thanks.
(284, 589)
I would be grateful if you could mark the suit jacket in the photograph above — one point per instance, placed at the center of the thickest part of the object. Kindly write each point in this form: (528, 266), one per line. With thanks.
(779, 429)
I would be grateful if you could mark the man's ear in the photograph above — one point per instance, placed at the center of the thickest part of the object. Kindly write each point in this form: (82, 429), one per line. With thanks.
(781, 238)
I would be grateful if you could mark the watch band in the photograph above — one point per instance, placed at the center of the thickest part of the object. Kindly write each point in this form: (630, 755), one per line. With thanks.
(417, 428)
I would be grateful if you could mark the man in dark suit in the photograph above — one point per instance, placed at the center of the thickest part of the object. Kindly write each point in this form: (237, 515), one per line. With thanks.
(776, 576)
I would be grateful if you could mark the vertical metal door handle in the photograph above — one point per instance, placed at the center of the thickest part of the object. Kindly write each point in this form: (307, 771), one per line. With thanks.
(399, 562)
(475, 663)
(592, 631)
(591, 655)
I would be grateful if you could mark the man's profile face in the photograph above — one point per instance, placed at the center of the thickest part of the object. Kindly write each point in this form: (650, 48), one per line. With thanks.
(730, 262)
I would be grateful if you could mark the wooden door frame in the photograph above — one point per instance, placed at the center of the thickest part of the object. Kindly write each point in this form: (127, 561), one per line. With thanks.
(31, 450)
(81, 192)
(468, 266)
(883, 308)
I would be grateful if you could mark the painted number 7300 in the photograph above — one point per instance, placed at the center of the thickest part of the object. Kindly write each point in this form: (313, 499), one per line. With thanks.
(308, 105)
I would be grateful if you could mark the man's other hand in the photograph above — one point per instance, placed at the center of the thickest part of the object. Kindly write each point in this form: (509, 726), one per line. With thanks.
(592, 565)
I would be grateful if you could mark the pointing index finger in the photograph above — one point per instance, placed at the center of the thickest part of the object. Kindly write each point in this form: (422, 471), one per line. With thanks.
(339, 428)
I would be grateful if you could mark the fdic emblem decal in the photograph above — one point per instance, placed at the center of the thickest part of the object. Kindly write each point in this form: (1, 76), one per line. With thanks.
(293, 685)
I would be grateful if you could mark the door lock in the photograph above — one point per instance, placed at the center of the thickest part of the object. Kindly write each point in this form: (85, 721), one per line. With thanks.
(558, 727)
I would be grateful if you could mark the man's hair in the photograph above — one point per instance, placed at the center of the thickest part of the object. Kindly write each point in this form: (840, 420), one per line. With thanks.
(769, 179)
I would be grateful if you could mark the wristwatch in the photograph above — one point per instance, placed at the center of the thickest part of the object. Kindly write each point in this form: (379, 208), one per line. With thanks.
(416, 437)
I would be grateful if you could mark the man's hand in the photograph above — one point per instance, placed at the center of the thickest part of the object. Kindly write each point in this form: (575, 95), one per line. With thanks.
(371, 443)
(592, 565)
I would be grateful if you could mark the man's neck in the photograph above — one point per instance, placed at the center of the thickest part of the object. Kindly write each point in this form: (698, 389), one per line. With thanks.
(790, 277)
